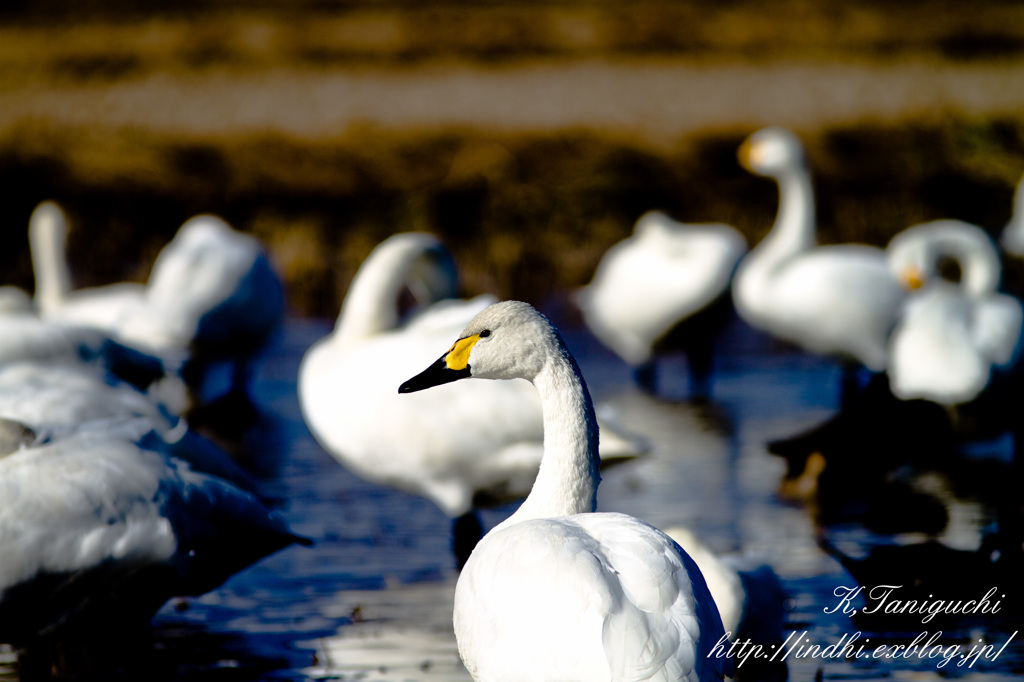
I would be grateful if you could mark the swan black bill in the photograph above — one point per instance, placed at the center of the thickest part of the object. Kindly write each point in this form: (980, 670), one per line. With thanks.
(435, 375)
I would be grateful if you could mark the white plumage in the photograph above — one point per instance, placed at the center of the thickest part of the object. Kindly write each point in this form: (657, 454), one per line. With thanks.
(663, 274)
(1012, 238)
(213, 289)
(98, 530)
(951, 334)
(836, 300)
(212, 293)
(53, 346)
(556, 591)
(750, 598)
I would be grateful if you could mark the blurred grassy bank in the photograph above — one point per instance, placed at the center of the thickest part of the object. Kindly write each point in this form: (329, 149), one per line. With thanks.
(526, 216)
(135, 120)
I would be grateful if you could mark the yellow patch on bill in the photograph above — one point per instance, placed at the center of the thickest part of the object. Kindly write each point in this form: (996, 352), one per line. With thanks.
(457, 356)
(912, 277)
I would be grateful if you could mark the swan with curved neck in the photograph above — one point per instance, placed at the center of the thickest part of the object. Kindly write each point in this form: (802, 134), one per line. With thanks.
(835, 300)
(415, 260)
(558, 591)
(646, 287)
(414, 443)
(950, 335)
(103, 307)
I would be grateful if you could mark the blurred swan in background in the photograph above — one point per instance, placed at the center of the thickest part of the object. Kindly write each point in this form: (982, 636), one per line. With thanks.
(1012, 238)
(29, 339)
(837, 300)
(213, 292)
(951, 334)
(102, 307)
(212, 295)
(15, 301)
(97, 531)
(668, 279)
(557, 591)
(425, 445)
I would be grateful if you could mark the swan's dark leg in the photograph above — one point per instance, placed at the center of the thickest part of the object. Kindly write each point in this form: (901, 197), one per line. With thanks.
(466, 532)
(850, 389)
(646, 376)
(700, 358)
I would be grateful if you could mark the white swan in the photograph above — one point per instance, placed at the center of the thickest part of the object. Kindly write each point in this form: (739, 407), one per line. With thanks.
(15, 301)
(556, 591)
(951, 334)
(750, 599)
(48, 395)
(29, 339)
(416, 444)
(1012, 238)
(102, 307)
(97, 530)
(835, 300)
(666, 274)
(213, 291)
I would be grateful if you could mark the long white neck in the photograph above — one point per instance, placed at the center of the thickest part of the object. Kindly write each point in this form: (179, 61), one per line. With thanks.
(47, 234)
(980, 267)
(792, 233)
(371, 304)
(794, 228)
(1017, 219)
(569, 470)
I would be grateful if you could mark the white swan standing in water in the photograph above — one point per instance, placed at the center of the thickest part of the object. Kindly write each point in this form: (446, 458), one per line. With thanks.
(951, 334)
(834, 300)
(102, 307)
(97, 531)
(416, 443)
(557, 591)
(665, 276)
(212, 291)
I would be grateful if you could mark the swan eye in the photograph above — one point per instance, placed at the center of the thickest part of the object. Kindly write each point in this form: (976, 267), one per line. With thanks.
(485, 333)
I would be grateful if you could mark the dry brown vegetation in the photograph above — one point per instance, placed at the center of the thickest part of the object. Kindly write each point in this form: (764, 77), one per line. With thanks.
(527, 213)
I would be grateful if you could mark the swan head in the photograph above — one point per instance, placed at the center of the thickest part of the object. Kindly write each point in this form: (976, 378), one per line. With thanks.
(507, 340)
(771, 151)
(945, 249)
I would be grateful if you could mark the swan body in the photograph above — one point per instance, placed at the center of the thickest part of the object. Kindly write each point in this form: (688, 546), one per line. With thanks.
(950, 335)
(29, 339)
(649, 283)
(213, 293)
(835, 300)
(751, 601)
(98, 530)
(415, 443)
(557, 591)
(212, 289)
(102, 307)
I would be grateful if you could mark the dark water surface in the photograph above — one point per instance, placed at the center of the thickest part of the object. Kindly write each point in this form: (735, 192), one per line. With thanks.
(372, 599)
